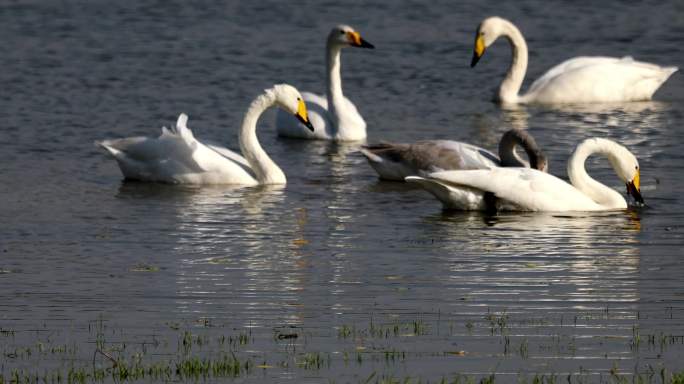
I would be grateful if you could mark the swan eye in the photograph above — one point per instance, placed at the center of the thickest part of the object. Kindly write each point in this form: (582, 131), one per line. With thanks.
(298, 99)
(341, 32)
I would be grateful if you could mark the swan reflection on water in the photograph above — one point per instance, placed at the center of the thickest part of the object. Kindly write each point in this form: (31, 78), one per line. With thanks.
(229, 245)
(582, 120)
(565, 260)
(217, 199)
(571, 233)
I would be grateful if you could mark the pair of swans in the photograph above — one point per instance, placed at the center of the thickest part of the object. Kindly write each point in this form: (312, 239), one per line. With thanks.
(529, 189)
(583, 79)
(466, 177)
(178, 157)
(578, 80)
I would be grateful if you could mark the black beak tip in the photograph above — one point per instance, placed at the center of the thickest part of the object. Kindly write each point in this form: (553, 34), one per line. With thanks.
(365, 44)
(639, 199)
(309, 125)
(475, 59)
(632, 190)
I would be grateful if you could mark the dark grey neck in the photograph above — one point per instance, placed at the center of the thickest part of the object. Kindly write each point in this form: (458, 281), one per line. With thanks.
(509, 158)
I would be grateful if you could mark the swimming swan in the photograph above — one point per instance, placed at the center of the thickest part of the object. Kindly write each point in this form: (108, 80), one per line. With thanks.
(578, 80)
(334, 116)
(177, 157)
(531, 190)
(397, 161)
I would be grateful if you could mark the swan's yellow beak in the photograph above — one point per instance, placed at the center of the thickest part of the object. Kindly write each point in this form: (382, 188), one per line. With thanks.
(303, 116)
(634, 189)
(479, 50)
(635, 181)
(356, 41)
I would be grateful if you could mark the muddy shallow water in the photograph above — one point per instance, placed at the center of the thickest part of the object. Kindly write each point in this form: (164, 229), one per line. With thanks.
(336, 277)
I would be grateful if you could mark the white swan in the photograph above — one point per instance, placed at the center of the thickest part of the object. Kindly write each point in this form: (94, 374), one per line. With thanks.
(578, 80)
(334, 116)
(177, 157)
(531, 190)
(397, 161)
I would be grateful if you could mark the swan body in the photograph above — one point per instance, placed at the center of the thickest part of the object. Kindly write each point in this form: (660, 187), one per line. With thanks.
(531, 190)
(334, 116)
(397, 161)
(578, 80)
(176, 156)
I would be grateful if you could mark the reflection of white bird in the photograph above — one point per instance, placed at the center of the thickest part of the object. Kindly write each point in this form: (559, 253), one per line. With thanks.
(532, 190)
(578, 80)
(177, 157)
(397, 161)
(334, 116)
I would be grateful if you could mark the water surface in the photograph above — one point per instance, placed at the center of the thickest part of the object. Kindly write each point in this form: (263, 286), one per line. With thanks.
(337, 276)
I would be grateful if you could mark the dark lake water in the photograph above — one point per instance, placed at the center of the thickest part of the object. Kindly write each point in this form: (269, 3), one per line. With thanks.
(336, 277)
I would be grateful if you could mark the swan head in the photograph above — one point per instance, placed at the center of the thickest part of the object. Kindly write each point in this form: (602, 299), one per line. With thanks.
(540, 162)
(487, 32)
(346, 36)
(288, 98)
(626, 166)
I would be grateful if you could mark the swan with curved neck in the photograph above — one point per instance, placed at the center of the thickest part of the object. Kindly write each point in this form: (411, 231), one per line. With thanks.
(397, 161)
(178, 157)
(334, 116)
(578, 80)
(531, 190)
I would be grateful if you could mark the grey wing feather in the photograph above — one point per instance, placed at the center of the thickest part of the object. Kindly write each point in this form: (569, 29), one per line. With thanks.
(423, 155)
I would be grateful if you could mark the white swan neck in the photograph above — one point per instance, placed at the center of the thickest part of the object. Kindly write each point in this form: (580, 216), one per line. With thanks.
(510, 86)
(334, 82)
(600, 193)
(265, 170)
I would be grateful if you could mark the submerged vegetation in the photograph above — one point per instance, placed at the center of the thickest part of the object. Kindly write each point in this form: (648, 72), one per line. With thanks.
(375, 350)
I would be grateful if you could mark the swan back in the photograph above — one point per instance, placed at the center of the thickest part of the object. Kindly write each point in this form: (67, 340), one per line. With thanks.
(177, 157)
(598, 79)
(523, 188)
(396, 161)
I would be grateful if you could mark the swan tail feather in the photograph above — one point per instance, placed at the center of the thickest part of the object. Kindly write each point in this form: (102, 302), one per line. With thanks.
(379, 146)
(370, 154)
(382, 151)
(181, 129)
(670, 70)
(107, 145)
(182, 120)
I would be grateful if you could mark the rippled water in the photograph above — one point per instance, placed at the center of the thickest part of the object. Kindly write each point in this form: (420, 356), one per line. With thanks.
(372, 277)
